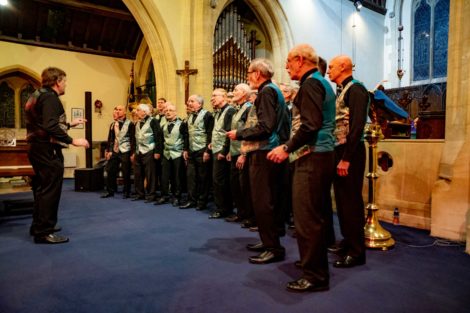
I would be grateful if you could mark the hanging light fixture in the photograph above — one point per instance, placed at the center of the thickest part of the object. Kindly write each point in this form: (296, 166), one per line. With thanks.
(358, 4)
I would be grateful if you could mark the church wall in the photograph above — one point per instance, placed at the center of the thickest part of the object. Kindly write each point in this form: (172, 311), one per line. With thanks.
(408, 184)
(328, 27)
(107, 78)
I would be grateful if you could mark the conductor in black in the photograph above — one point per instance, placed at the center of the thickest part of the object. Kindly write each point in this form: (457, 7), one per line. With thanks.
(47, 135)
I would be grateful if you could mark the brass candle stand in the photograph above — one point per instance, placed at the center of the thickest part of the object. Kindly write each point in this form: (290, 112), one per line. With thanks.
(375, 235)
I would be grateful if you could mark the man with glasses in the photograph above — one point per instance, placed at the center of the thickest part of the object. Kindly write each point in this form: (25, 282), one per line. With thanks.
(311, 148)
(261, 134)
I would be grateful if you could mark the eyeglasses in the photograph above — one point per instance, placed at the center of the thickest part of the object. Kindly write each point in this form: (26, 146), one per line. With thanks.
(292, 59)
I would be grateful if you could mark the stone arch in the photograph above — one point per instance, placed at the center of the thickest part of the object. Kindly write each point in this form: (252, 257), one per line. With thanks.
(21, 71)
(158, 46)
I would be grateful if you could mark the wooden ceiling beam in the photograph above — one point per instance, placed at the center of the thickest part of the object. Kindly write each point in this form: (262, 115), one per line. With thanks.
(90, 8)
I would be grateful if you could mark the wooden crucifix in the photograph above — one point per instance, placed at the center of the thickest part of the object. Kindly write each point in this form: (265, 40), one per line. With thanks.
(185, 73)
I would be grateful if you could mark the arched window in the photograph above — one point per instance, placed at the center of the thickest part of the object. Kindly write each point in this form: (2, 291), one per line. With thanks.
(430, 37)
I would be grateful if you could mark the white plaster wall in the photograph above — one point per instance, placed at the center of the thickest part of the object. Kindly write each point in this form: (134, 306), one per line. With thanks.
(328, 26)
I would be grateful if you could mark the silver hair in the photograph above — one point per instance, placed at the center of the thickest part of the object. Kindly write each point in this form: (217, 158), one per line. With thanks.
(144, 107)
(264, 66)
(199, 99)
(245, 87)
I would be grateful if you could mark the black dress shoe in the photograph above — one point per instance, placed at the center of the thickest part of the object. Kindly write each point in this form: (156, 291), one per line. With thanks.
(151, 199)
(248, 223)
(57, 229)
(233, 219)
(138, 198)
(253, 228)
(303, 285)
(50, 239)
(201, 207)
(266, 257)
(188, 205)
(176, 202)
(161, 201)
(336, 249)
(126, 196)
(217, 214)
(258, 247)
(349, 261)
(298, 264)
(107, 195)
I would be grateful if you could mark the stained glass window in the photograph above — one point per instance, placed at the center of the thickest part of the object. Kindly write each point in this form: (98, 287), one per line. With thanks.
(430, 37)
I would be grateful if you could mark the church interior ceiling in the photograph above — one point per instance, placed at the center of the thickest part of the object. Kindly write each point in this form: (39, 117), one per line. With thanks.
(104, 27)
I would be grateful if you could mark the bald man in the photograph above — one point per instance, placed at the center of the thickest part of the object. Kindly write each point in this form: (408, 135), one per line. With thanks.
(121, 144)
(311, 150)
(350, 156)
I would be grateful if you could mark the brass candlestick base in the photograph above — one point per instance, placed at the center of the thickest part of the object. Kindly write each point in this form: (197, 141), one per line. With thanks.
(375, 236)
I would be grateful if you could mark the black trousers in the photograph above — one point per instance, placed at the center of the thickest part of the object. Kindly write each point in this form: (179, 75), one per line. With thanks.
(349, 201)
(313, 175)
(265, 188)
(221, 185)
(144, 169)
(112, 170)
(48, 165)
(199, 179)
(240, 187)
(172, 172)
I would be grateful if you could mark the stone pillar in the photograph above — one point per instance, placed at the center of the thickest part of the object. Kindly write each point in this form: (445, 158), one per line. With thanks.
(450, 200)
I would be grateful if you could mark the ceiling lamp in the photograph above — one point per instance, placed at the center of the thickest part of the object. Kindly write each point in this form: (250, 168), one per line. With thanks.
(358, 4)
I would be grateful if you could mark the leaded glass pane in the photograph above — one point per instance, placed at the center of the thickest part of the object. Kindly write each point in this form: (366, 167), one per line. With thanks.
(422, 30)
(7, 106)
(25, 93)
(441, 35)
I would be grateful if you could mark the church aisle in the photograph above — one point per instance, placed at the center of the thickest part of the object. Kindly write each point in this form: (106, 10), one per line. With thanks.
(128, 256)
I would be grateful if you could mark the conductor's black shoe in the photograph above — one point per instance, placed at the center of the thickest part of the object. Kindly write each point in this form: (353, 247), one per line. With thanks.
(50, 239)
(258, 247)
(349, 261)
(107, 195)
(303, 285)
(188, 205)
(161, 200)
(266, 257)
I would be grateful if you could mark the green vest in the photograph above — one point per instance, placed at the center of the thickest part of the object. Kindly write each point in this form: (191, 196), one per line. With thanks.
(173, 141)
(252, 120)
(197, 132)
(161, 120)
(144, 137)
(323, 141)
(219, 134)
(237, 123)
(123, 137)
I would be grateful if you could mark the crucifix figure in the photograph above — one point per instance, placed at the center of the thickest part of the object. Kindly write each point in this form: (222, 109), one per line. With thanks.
(185, 73)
